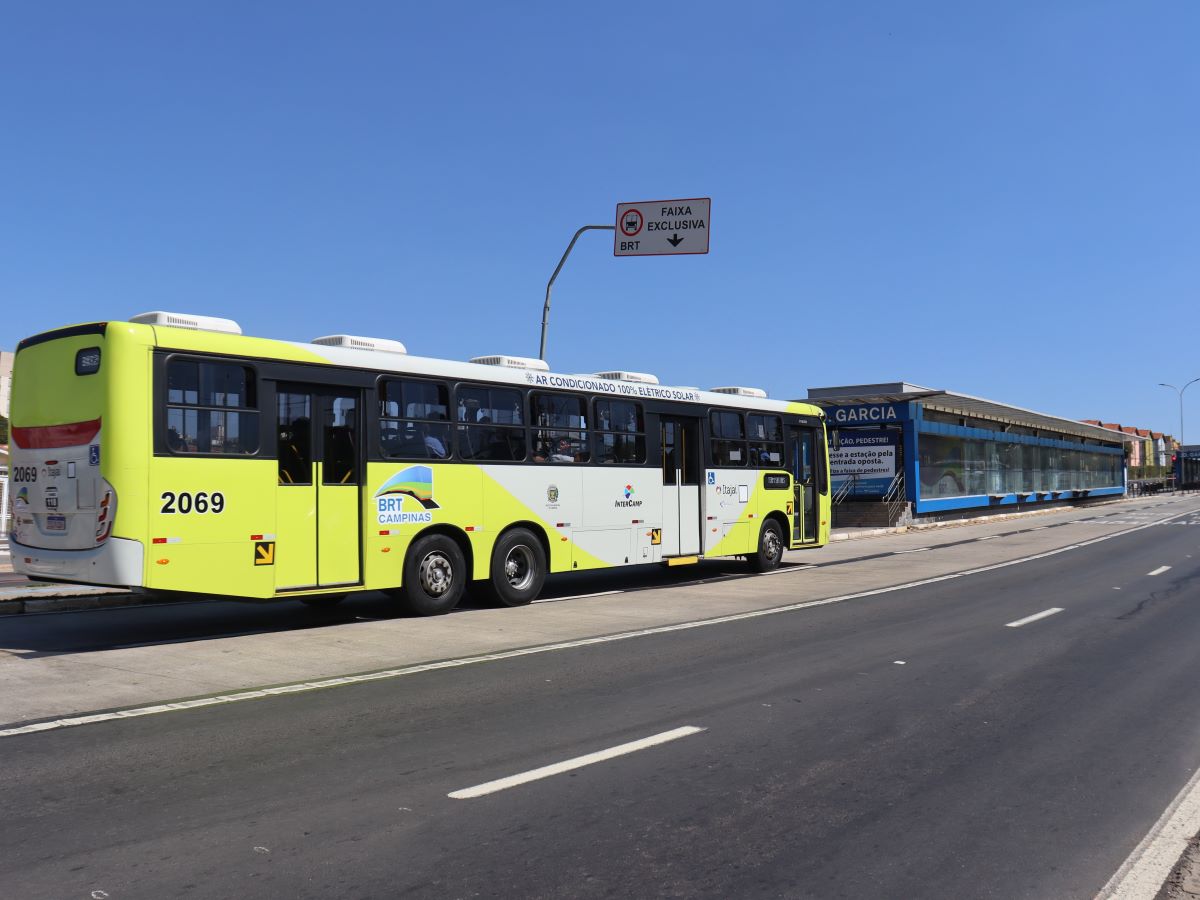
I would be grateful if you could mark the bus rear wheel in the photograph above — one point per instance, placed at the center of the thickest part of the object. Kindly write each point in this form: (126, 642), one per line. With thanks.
(518, 569)
(435, 573)
(770, 548)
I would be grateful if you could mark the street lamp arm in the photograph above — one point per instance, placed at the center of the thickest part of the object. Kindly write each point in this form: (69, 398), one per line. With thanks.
(557, 269)
(1179, 391)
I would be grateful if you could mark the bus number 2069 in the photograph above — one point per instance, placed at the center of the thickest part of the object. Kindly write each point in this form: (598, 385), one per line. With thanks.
(200, 502)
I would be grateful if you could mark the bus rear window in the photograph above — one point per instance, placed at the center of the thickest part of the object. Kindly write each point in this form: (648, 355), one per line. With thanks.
(211, 408)
(87, 361)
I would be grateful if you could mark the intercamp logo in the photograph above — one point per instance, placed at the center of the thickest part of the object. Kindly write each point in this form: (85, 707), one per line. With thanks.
(628, 501)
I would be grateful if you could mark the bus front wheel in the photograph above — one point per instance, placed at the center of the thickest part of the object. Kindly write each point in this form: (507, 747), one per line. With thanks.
(435, 573)
(770, 548)
(518, 569)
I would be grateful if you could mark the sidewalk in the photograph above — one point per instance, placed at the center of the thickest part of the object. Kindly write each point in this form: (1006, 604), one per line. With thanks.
(20, 595)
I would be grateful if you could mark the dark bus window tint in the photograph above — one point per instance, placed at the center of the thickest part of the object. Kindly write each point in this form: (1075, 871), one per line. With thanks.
(727, 425)
(339, 449)
(670, 461)
(559, 436)
(210, 408)
(496, 406)
(491, 423)
(87, 361)
(620, 433)
(224, 385)
(766, 440)
(414, 420)
(558, 411)
(621, 449)
(294, 421)
(728, 444)
(619, 415)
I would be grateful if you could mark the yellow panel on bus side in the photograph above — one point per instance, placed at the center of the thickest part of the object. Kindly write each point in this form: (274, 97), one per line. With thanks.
(204, 517)
(295, 536)
(338, 533)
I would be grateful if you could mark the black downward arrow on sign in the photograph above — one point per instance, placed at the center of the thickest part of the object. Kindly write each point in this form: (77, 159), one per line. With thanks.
(675, 240)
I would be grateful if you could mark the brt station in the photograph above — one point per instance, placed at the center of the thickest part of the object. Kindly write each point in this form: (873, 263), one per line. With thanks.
(907, 453)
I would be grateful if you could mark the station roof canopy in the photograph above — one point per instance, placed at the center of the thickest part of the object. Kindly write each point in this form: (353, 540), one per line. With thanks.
(960, 404)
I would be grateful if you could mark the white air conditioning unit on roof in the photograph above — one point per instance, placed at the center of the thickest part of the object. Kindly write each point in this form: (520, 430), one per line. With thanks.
(512, 362)
(634, 377)
(356, 342)
(757, 393)
(187, 320)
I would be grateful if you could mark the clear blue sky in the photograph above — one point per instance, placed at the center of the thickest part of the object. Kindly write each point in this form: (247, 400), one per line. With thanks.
(999, 199)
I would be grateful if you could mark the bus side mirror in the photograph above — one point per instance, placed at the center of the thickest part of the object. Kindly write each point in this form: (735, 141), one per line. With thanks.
(835, 440)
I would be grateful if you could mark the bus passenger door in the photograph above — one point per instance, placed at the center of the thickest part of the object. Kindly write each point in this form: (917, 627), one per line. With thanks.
(318, 526)
(802, 458)
(339, 525)
(681, 486)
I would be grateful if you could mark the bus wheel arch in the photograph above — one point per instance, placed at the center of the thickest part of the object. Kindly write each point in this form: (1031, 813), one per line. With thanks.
(519, 564)
(437, 567)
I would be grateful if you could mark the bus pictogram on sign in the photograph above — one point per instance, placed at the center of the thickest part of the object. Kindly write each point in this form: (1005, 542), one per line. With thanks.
(632, 222)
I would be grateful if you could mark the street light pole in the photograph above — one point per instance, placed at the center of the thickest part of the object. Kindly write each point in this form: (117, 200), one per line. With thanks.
(1180, 392)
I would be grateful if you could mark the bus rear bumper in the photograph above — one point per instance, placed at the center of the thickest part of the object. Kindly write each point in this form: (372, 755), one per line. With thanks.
(117, 562)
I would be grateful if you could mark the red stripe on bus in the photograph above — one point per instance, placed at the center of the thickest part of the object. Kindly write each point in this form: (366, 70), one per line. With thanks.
(49, 437)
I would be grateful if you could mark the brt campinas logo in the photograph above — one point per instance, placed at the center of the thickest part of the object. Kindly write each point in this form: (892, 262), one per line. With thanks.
(415, 483)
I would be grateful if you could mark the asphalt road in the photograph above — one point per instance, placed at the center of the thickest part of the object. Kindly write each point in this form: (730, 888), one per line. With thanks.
(906, 744)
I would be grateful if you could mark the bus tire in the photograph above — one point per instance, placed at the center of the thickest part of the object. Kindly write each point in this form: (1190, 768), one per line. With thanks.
(518, 569)
(435, 574)
(770, 548)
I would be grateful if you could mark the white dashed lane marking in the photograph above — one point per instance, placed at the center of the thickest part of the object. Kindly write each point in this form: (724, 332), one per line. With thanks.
(1159, 570)
(501, 784)
(1043, 614)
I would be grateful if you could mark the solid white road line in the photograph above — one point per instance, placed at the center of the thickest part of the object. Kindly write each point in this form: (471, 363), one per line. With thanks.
(1142, 875)
(1159, 570)
(299, 687)
(792, 568)
(918, 550)
(577, 596)
(501, 784)
(1034, 617)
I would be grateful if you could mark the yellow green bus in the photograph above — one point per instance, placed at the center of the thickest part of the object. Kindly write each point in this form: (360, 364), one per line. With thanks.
(173, 453)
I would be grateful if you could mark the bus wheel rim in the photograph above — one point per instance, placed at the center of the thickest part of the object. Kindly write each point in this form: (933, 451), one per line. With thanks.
(518, 567)
(771, 544)
(437, 574)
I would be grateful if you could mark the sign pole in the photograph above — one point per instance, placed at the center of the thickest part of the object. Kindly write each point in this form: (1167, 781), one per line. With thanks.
(550, 283)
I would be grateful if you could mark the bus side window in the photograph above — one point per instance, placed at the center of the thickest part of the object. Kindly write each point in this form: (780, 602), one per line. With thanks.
(491, 423)
(212, 408)
(559, 429)
(620, 433)
(414, 419)
(766, 440)
(728, 438)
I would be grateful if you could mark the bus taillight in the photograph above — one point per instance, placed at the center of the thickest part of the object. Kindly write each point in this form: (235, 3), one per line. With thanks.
(108, 509)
